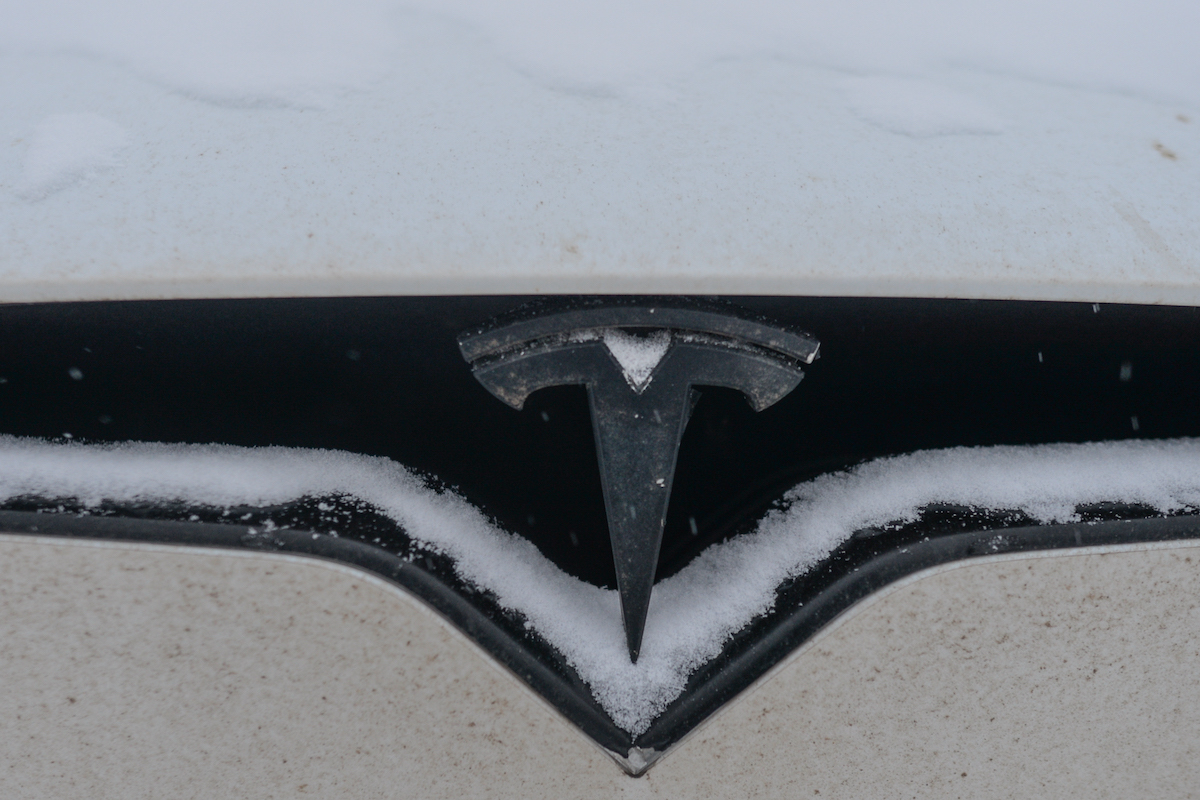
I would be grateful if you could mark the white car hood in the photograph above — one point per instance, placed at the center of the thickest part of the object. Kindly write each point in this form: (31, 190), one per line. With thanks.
(222, 149)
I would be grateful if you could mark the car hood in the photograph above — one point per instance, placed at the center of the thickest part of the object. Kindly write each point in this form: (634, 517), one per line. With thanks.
(370, 148)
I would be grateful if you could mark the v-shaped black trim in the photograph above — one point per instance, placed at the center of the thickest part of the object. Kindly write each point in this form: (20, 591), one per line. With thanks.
(866, 564)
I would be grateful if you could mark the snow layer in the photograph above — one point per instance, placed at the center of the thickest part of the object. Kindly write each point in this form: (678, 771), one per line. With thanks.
(692, 613)
(637, 356)
(1041, 149)
(68, 148)
(919, 108)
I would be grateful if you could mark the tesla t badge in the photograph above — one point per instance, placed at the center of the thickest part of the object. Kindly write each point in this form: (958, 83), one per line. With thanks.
(640, 364)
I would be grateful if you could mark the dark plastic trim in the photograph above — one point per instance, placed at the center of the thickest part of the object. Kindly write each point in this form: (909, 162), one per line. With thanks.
(638, 428)
(678, 313)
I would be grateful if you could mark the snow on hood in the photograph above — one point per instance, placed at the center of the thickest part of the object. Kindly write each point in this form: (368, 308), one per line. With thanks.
(693, 613)
(1044, 150)
(241, 51)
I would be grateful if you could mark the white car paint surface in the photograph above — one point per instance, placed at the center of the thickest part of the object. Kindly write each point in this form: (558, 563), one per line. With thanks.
(1018, 150)
(693, 613)
(155, 671)
(265, 148)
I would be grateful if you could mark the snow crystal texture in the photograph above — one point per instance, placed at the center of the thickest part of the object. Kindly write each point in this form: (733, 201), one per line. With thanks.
(693, 613)
(66, 149)
(638, 356)
(919, 108)
(1037, 149)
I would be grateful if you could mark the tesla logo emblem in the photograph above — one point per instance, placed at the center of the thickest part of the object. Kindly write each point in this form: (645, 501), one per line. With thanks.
(640, 364)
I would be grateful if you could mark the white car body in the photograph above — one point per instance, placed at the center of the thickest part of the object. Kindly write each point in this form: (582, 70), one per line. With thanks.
(277, 150)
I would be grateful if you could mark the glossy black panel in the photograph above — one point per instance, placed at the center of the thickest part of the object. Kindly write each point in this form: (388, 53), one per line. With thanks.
(384, 376)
